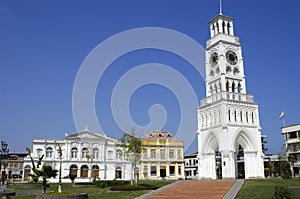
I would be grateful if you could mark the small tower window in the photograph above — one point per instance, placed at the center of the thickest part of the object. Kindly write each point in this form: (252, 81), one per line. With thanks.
(229, 115)
(227, 86)
(252, 115)
(228, 28)
(239, 88)
(247, 117)
(235, 116)
(233, 87)
(223, 26)
(241, 115)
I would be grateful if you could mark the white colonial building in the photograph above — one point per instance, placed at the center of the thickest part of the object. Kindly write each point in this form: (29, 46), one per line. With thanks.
(228, 118)
(86, 154)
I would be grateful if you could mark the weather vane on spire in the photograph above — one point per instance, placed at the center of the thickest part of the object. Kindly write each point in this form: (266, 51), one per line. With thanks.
(220, 7)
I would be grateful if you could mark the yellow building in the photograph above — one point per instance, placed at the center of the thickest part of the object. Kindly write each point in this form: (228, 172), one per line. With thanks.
(162, 157)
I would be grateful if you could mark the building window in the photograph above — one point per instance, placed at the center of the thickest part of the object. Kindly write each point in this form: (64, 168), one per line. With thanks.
(145, 154)
(153, 170)
(119, 154)
(39, 152)
(49, 152)
(145, 171)
(109, 155)
(293, 135)
(162, 154)
(179, 170)
(153, 153)
(171, 153)
(95, 153)
(84, 153)
(178, 153)
(172, 170)
(74, 152)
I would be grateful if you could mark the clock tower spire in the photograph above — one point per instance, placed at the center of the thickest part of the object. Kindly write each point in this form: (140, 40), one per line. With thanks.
(228, 118)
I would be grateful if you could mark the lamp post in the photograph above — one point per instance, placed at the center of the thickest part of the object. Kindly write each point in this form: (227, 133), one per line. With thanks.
(3, 155)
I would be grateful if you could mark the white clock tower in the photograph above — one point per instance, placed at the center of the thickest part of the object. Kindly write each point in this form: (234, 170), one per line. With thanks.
(228, 118)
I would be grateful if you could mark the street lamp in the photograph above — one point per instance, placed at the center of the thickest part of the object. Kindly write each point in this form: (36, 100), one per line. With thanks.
(3, 155)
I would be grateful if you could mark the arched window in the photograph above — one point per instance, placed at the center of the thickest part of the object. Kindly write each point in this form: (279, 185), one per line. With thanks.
(235, 116)
(252, 115)
(227, 86)
(241, 115)
(216, 88)
(39, 152)
(229, 115)
(84, 171)
(95, 153)
(233, 87)
(74, 152)
(247, 120)
(49, 152)
(228, 28)
(84, 153)
(217, 27)
(223, 26)
(239, 88)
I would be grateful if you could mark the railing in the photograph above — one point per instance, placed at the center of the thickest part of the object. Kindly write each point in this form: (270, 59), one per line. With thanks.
(227, 96)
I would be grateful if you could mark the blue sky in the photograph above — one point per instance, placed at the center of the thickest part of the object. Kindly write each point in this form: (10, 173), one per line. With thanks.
(43, 44)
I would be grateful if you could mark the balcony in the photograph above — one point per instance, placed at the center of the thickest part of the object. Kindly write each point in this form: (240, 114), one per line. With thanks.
(227, 96)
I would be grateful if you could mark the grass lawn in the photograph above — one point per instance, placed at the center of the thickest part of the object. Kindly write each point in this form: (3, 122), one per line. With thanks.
(95, 192)
(264, 188)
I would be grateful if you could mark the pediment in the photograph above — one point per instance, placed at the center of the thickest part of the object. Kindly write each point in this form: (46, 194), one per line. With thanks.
(86, 135)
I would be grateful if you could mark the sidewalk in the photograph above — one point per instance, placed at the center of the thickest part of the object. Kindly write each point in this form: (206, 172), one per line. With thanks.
(188, 189)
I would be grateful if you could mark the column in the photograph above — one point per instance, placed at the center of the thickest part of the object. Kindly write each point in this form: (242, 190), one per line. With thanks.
(231, 28)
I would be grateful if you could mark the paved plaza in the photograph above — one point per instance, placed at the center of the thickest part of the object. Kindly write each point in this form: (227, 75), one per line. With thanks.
(197, 189)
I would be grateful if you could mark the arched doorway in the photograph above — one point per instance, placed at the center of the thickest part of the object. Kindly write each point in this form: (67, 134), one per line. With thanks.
(240, 162)
(73, 169)
(84, 171)
(27, 170)
(210, 159)
(218, 164)
(95, 171)
(118, 173)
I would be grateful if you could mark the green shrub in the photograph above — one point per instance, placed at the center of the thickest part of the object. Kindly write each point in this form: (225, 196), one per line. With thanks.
(133, 188)
(283, 192)
(109, 183)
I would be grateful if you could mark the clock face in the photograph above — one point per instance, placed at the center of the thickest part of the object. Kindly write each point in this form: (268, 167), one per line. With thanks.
(214, 59)
(231, 57)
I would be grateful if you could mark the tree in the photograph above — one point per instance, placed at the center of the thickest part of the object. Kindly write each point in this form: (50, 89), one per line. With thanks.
(46, 172)
(271, 167)
(284, 167)
(132, 148)
(292, 160)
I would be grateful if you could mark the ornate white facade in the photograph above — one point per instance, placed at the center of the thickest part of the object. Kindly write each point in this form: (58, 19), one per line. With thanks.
(86, 154)
(228, 117)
